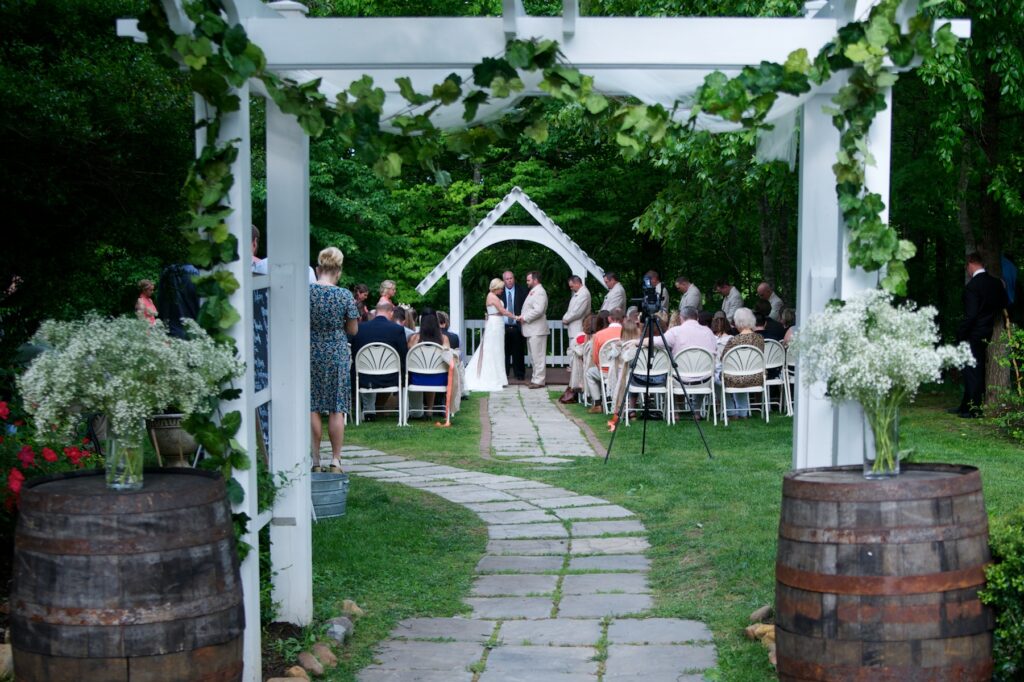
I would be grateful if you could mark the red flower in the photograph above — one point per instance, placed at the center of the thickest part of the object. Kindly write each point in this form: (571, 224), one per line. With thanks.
(74, 455)
(19, 422)
(5, 411)
(14, 480)
(1, 439)
(27, 456)
(85, 440)
(49, 455)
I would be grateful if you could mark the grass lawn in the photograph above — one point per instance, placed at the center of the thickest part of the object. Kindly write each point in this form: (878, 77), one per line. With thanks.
(712, 524)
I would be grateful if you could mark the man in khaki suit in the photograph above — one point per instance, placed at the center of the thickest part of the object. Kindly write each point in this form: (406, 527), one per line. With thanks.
(579, 307)
(616, 297)
(535, 327)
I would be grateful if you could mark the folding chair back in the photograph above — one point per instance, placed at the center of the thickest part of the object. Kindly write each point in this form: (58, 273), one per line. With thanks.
(378, 359)
(696, 368)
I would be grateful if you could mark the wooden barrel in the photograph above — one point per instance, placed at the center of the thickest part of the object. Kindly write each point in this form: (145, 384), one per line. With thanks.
(878, 580)
(140, 586)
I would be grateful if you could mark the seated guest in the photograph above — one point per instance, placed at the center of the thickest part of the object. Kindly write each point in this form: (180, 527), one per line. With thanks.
(765, 325)
(381, 329)
(705, 317)
(674, 319)
(443, 320)
(689, 334)
(789, 322)
(430, 332)
(593, 374)
(720, 328)
(632, 313)
(454, 342)
(746, 336)
(401, 316)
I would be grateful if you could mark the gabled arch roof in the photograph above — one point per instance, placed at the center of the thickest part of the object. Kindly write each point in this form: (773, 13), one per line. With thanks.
(487, 232)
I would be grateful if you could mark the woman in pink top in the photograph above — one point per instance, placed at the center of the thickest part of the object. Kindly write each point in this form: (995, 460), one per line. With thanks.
(145, 309)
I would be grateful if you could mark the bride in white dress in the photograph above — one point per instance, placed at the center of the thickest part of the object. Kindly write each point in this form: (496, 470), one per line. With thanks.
(486, 369)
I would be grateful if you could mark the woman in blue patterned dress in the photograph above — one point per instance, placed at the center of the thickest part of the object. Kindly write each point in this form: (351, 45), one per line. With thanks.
(333, 317)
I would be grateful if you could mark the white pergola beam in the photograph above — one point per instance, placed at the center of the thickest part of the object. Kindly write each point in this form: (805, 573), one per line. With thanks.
(598, 42)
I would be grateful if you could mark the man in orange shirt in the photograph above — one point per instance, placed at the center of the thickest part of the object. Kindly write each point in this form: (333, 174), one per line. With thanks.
(612, 331)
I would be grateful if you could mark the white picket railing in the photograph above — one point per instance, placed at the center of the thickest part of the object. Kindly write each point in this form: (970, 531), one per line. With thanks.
(558, 341)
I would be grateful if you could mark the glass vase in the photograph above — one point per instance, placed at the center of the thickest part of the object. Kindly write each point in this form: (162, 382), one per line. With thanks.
(881, 441)
(123, 459)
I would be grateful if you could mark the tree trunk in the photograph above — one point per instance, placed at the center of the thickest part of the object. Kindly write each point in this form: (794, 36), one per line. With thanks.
(997, 378)
(766, 226)
(963, 211)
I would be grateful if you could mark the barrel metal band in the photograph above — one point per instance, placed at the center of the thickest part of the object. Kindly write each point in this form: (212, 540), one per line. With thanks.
(45, 544)
(877, 536)
(791, 668)
(881, 585)
(137, 615)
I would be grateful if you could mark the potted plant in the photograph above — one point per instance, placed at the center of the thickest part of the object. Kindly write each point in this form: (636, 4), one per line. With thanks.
(126, 370)
(868, 350)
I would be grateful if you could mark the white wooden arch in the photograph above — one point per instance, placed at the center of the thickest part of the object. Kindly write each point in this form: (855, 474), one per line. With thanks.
(487, 233)
(626, 55)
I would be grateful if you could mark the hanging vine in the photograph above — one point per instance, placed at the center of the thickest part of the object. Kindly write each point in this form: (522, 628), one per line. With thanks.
(220, 59)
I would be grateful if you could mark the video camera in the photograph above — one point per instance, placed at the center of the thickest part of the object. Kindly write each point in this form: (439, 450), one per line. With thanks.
(650, 302)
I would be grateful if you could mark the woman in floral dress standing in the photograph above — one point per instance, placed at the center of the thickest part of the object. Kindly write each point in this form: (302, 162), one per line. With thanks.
(333, 317)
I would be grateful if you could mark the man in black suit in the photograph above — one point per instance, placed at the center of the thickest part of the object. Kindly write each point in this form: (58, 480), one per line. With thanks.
(380, 329)
(513, 297)
(984, 300)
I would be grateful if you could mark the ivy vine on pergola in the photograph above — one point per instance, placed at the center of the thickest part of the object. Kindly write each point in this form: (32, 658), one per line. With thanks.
(686, 73)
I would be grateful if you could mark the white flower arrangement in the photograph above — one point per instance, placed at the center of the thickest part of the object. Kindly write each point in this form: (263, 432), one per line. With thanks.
(123, 368)
(878, 354)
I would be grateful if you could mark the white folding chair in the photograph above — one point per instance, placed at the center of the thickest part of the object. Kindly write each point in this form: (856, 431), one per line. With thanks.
(775, 359)
(425, 358)
(660, 367)
(378, 359)
(790, 373)
(697, 370)
(606, 363)
(743, 361)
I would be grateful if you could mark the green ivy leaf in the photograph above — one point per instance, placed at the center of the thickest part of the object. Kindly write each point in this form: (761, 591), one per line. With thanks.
(945, 39)
(235, 40)
(409, 93)
(449, 91)
(234, 491)
(595, 103)
(797, 62)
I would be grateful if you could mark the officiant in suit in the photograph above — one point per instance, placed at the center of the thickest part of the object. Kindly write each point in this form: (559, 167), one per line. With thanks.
(513, 296)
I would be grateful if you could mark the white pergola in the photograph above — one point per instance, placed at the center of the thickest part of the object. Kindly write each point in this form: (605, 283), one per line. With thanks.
(654, 59)
(487, 233)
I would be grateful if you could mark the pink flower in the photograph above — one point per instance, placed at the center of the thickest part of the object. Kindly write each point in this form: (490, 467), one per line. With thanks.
(14, 480)
(49, 455)
(27, 456)
(5, 411)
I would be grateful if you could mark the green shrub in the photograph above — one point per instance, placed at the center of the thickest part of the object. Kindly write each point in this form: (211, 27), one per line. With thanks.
(1005, 593)
(1009, 410)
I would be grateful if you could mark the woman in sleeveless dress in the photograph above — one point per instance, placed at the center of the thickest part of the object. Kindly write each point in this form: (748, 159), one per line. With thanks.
(486, 369)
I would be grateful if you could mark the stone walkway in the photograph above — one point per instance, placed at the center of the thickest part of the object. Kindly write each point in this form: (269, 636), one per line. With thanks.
(559, 596)
(526, 427)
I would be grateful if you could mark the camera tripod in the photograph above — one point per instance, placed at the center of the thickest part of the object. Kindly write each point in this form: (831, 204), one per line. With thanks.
(651, 324)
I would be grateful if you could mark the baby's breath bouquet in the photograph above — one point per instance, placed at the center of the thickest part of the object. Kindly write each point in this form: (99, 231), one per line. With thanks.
(869, 350)
(122, 368)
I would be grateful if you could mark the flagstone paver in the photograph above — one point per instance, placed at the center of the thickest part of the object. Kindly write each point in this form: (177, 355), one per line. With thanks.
(563, 574)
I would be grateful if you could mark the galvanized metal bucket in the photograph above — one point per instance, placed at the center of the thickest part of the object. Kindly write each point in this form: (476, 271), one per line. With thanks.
(330, 491)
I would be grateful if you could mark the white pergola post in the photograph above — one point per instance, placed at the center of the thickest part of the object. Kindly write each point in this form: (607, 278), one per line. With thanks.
(824, 274)
(288, 253)
(235, 126)
(456, 304)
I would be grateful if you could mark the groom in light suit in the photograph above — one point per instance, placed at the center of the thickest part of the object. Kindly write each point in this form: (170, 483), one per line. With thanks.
(535, 327)
(579, 307)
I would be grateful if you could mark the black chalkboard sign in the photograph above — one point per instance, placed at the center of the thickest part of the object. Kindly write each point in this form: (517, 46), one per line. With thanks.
(261, 355)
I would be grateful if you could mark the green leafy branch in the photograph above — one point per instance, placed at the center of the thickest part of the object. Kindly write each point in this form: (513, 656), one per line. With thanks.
(861, 49)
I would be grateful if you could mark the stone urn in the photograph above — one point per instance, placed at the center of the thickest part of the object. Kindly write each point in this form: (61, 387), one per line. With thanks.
(175, 447)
